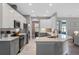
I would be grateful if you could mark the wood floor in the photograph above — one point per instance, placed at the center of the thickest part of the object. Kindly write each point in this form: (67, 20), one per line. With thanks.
(73, 49)
(30, 49)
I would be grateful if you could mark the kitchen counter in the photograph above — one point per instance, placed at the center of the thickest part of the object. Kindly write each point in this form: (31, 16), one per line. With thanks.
(60, 38)
(52, 46)
(9, 38)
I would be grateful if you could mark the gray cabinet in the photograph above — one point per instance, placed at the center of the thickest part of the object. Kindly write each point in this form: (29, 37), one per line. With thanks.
(76, 40)
(4, 48)
(9, 47)
(14, 46)
(51, 48)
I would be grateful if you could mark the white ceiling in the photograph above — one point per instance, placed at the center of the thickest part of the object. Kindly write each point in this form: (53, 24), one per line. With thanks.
(37, 9)
(43, 9)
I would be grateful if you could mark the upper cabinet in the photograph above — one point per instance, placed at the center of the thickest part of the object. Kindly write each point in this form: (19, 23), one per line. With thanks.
(9, 15)
(0, 15)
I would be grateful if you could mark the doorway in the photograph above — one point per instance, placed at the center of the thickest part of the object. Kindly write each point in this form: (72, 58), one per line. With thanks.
(62, 26)
(35, 28)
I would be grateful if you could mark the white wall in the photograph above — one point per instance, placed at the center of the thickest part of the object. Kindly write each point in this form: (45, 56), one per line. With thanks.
(45, 23)
(48, 23)
(70, 10)
(72, 25)
(9, 15)
(67, 9)
(53, 21)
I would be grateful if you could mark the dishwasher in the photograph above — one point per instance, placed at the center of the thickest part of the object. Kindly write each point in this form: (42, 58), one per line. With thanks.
(21, 42)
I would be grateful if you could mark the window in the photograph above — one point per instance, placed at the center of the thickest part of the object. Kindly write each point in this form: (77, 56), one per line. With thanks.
(63, 27)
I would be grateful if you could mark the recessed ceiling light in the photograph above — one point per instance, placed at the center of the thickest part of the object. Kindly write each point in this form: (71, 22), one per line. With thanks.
(30, 4)
(47, 11)
(33, 11)
(50, 4)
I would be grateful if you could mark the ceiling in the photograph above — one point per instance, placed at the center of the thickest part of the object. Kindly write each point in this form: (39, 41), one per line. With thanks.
(47, 9)
(35, 9)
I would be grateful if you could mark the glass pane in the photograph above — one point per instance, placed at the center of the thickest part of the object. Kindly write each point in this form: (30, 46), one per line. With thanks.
(63, 27)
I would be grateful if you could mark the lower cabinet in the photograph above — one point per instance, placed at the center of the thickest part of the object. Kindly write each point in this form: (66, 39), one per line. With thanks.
(51, 48)
(76, 40)
(14, 47)
(9, 47)
(4, 47)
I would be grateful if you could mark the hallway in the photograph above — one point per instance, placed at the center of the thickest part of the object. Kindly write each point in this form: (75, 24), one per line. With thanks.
(29, 49)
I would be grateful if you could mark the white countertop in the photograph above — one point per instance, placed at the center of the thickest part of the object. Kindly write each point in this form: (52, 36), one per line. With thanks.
(60, 38)
(9, 38)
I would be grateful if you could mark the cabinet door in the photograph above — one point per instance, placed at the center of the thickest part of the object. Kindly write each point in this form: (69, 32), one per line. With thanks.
(4, 48)
(14, 47)
(76, 40)
(45, 48)
(1, 15)
(8, 17)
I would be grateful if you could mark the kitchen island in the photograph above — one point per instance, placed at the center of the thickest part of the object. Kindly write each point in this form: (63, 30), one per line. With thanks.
(52, 46)
(9, 45)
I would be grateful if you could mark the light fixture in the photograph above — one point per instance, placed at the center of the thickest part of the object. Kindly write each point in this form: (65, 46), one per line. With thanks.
(76, 32)
(33, 11)
(30, 4)
(47, 11)
(50, 4)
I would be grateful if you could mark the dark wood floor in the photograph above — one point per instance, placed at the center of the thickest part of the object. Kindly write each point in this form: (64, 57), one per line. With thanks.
(73, 49)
